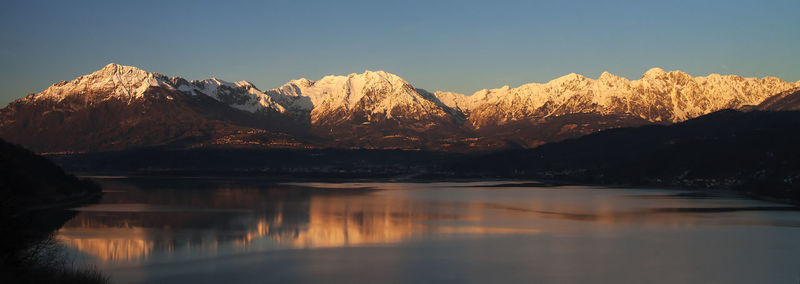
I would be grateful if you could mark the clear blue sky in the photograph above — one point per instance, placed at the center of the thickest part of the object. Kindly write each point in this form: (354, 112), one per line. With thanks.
(458, 46)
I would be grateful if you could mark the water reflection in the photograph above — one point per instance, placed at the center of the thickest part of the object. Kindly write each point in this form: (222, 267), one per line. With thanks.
(166, 220)
(201, 218)
(129, 244)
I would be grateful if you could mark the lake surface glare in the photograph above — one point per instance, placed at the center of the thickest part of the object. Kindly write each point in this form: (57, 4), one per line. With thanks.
(243, 230)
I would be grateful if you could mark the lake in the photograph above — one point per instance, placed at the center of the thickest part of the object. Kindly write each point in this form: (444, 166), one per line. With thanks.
(249, 230)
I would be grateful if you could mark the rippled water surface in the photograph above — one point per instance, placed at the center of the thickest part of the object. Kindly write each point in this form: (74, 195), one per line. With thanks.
(210, 230)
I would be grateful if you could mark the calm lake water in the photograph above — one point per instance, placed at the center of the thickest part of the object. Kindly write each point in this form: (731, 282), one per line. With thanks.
(212, 230)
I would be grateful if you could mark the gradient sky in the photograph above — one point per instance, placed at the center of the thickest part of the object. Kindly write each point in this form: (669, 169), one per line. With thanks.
(461, 46)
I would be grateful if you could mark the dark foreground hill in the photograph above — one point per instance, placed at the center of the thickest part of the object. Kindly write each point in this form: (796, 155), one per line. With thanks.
(33, 195)
(755, 152)
(28, 180)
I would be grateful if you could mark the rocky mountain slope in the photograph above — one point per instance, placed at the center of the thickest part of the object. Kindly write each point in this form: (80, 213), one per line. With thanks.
(120, 107)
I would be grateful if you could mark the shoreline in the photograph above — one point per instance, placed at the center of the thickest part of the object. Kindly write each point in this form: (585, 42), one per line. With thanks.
(419, 178)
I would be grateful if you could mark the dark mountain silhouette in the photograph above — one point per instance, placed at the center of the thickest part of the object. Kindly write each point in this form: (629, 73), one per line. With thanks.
(28, 180)
(34, 194)
(754, 152)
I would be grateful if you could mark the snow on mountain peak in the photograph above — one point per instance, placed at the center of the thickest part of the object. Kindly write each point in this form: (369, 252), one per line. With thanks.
(571, 77)
(654, 72)
(130, 83)
(113, 80)
(376, 80)
(381, 75)
(114, 67)
(245, 84)
(241, 95)
(302, 82)
(374, 92)
(611, 79)
(659, 96)
(346, 91)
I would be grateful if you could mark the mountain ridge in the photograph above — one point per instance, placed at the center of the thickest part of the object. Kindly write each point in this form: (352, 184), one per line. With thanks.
(371, 110)
(133, 81)
(676, 96)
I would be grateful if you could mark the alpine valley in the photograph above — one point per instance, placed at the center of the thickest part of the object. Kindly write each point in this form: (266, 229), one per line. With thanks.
(122, 107)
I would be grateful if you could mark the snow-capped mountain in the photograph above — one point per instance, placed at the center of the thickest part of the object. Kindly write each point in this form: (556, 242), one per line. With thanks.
(659, 96)
(129, 83)
(112, 81)
(374, 94)
(241, 95)
(372, 109)
(119, 107)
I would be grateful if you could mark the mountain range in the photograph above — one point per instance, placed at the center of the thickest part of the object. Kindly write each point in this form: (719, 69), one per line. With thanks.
(121, 107)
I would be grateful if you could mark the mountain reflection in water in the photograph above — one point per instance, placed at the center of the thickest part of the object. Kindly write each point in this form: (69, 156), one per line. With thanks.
(131, 223)
(151, 229)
